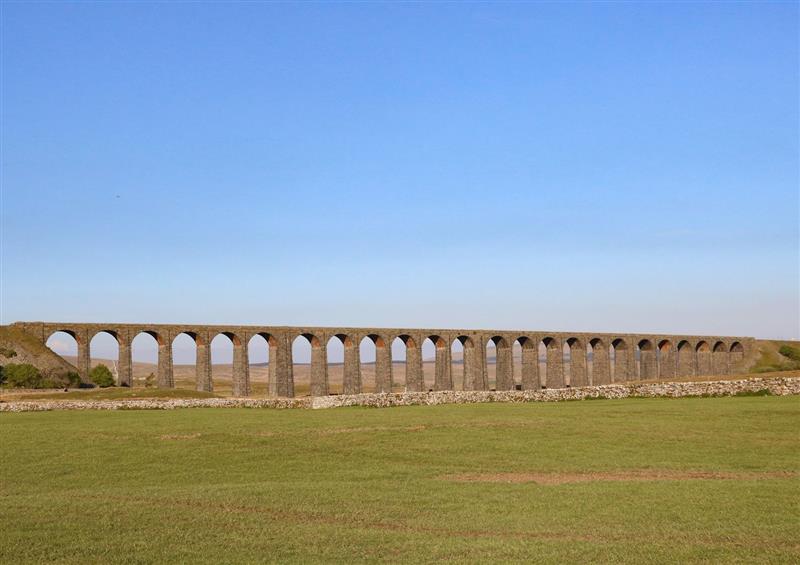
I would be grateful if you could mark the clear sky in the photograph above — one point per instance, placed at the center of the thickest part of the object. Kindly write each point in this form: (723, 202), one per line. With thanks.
(607, 166)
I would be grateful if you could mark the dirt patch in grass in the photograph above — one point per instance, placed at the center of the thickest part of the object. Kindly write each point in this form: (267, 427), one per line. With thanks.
(629, 475)
(179, 436)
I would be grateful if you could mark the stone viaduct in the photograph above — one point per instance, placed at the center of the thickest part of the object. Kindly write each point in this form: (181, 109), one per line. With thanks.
(613, 358)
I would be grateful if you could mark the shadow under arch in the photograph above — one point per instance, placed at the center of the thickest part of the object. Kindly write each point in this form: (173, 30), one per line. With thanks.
(646, 366)
(703, 355)
(666, 360)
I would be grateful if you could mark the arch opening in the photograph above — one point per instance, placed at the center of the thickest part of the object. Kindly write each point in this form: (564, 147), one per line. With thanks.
(189, 368)
(665, 360)
(149, 368)
(685, 361)
(499, 364)
(260, 352)
(222, 346)
(736, 356)
(436, 364)
(335, 360)
(65, 344)
(719, 359)
(104, 350)
(620, 362)
(703, 354)
(309, 365)
(645, 360)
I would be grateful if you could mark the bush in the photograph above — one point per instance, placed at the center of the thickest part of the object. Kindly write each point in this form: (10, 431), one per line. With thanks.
(792, 353)
(8, 353)
(23, 375)
(101, 376)
(73, 379)
(150, 381)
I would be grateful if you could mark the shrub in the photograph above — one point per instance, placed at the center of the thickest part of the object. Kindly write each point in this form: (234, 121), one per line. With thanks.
(23, 375)
(150, 381)
(792, 353)
(7, 353)
(101, 376)
(73, 379)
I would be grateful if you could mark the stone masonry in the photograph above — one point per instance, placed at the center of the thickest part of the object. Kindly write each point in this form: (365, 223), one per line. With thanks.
(614, 358)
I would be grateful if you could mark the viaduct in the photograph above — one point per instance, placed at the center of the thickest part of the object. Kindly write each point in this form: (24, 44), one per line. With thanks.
(613, 358)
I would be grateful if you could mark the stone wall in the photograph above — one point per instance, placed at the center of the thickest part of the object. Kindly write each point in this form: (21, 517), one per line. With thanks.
(612, 357)
(776, 386)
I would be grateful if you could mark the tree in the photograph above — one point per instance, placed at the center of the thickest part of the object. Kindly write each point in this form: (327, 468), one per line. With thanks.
(101, 376)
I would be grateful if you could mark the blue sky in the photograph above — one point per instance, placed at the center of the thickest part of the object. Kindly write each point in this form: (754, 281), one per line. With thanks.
(607, 166)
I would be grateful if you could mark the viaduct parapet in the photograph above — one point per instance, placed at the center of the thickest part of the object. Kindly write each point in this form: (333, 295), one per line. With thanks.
(612, 357)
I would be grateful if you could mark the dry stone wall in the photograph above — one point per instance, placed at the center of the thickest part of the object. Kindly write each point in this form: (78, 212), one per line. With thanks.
(776, 386)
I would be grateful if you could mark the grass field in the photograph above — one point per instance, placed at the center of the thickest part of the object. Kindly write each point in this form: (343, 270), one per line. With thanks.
(635, 480)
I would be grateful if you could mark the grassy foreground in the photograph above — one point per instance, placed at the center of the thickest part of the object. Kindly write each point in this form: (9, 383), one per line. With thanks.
(635, 480)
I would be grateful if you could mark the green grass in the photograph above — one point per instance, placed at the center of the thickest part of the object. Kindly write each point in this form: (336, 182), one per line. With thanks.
(356, 484)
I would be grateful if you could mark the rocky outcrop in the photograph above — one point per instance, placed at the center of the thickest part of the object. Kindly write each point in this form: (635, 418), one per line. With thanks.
(775, 386)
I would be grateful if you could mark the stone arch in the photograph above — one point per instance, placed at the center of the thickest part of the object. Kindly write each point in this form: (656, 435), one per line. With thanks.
(61, 347)
(442, 376)
(70, 345)
(665, 360)
(312, 366)
(686, 359)
(334, 359)
(578, 372)
(736, 356)
(261, 354)
(719, 359)
(188, 339)
(382, 362)
(703, 355)
(504, 363)
(413, 362)
(240, 378)
(351, 364)
(108, 340)
(620, 361)
(647, 360)
(554, 364)
(529, 363)
(164, 376)
(600, 362)
(471, 370)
